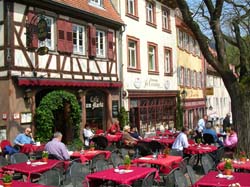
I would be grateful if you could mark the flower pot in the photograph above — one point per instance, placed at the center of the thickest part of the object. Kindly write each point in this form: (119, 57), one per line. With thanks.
(228, 171)
(91, 148)
(9, 184)
(166, 155)
(127, 166)
(45, 159)
(243, 159)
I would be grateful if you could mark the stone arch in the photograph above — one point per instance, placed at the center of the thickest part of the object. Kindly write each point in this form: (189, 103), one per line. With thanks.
(45, 113)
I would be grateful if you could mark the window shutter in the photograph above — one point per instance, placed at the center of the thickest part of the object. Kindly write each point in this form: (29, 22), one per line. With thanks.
(31, 37)
(110, 46)
(92, 41)
(64, 36)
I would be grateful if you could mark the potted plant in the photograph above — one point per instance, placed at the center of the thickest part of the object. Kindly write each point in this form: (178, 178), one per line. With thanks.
(92, 146)
(228, 167)
(166, 152)
(127, 162)
(45, 156)
(243, 156)
(7, 178)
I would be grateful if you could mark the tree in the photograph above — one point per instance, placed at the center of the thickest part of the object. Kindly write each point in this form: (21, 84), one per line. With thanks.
(228, 22)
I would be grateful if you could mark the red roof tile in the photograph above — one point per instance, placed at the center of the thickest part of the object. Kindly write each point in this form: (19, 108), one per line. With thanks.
(108, 12)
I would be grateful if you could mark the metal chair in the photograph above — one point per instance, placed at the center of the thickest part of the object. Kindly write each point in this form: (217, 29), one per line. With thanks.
(50, 178)
(169, 179)
(191, 174)
(116, 159)
(3, 161)
(53, 157)
(101, 142)
(101, 164)
(174, 152)
(183, 164)
(18, 157)
(95, 158)
(148, 181)
(193, 160)
(207, 163)
(180, 179)
(208, 139)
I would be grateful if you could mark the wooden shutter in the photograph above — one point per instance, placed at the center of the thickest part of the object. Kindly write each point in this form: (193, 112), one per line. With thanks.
(92, 41)
(64, 36)
(110, 46)
(31, 37)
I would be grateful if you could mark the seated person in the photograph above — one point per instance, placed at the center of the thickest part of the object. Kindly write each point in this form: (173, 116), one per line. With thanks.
(57, 148)
(134, 133)
(24, 138)
(181, 141)
(208, 130)
(114, 128)
(231, 139)
(87, 135)
(127, 138)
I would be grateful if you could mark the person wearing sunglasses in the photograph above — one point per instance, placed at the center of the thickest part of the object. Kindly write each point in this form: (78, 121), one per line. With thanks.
(24, 138)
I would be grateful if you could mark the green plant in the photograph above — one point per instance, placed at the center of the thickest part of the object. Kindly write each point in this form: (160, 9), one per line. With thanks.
(166, 151)
(8, 176)
(198, 140)
(91, 145)
(51, 103)
(76, 144)
(228, 164)
(45, 154)
(123, 117)
(127, 160)
(242, 154)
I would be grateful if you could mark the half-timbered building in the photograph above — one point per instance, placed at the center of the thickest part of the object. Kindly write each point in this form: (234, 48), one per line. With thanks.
(49, 45)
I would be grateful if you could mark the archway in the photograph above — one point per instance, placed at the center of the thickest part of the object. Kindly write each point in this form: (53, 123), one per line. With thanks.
(62, 106)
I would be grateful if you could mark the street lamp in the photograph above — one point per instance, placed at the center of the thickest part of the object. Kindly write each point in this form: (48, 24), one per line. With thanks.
(183, 96)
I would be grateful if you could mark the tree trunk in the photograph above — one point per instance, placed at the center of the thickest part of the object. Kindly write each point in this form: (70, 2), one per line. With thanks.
(241, 120)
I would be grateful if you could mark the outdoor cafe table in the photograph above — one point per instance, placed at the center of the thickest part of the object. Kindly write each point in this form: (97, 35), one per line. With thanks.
(24, 184)
(165, 163)
(35, 167)
(135, 173)
(236, 165)
(28, 148)
(202, 149)
(89, 155)
(211, 180)
(163, 140)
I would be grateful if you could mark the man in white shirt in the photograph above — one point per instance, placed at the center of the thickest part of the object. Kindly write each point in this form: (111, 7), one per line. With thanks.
(181, 142)
(87, 135)
(201, 124)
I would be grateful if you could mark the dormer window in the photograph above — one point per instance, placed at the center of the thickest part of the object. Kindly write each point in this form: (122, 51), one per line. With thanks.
(98, 3)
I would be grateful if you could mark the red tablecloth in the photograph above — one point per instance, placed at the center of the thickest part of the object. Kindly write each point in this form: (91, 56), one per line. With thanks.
(97, 178)
(88, 155)
(165, 163)
(202, 149)
(24, 184)
(114, 138)
(28, 148)
(35, 167)
(236, 165)
(211, 180)
(162, 140)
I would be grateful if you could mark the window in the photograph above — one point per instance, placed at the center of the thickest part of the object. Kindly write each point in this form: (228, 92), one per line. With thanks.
(49, 41)
(168, 69)
(96, 2)
(100, 43)
(131, 7)
(132, 54)
(150, 13)
(181, 76)
(79, 39)
(152, 57)
(165, 19)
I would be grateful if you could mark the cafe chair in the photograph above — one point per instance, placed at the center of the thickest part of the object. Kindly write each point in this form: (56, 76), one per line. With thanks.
(193, 160)
(53, 157)
(101, 164)
(85, 183)
(169, 179)
(148, 181)
(208, 139)
(50, 178)
(180, 179)
(116, 159)
(219, 155)
(76, 173)
(208, 163)
(155, 146)
(183, 165)
(60, 167)
(101, 142)
(174, 152)
(3, 161)
(94, 159)
(191, 174)
(18, 158)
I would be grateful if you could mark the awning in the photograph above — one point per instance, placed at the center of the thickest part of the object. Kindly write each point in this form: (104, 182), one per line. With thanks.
(24, 81)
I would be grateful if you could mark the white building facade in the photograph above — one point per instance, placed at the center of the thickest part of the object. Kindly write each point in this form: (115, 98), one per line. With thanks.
(148, 62)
